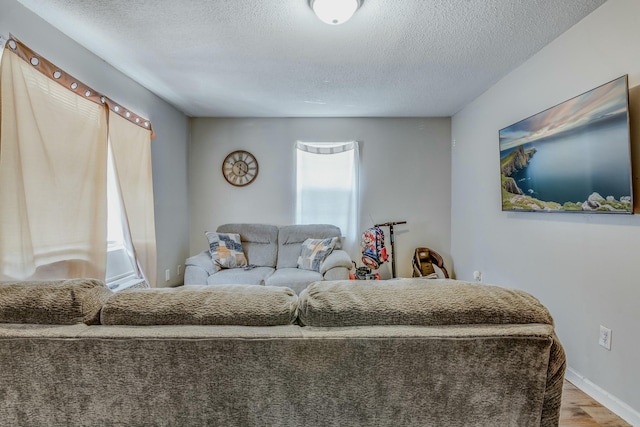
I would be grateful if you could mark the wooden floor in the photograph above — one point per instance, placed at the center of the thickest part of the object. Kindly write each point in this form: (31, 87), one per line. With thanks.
(578, 409)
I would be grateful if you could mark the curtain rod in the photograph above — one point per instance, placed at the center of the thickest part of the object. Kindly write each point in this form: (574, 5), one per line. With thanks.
(56, 74)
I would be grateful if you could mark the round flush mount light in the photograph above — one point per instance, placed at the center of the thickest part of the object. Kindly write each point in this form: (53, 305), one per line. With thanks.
(334, 12)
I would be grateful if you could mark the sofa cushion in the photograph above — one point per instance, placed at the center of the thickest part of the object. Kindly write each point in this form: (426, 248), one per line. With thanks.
(259, 241)
(314, 251)
(291, 237)
(226, 250)
(416, 302)
(248, 305)
(294, 278)
(240, 276)
(61, 302)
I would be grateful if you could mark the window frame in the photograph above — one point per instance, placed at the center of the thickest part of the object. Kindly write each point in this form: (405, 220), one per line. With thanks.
(349, 225)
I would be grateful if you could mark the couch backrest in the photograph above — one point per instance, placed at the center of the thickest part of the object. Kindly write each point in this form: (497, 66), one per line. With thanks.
(248, 305)
(259, 242)
(291, 237)
(417, 302)
(59, 302)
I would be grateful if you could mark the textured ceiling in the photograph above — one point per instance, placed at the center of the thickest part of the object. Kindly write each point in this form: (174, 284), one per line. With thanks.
(274, 58)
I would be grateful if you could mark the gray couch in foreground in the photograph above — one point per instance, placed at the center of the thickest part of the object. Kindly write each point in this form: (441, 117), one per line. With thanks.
(274, 252)
(405, 352)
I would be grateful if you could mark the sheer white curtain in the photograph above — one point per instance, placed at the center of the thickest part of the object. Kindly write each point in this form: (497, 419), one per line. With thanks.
(327, 186)
(53, 159)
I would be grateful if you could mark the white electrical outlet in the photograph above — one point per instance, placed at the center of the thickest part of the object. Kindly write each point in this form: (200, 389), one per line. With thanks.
(167, 275)
(605, 337)
(179, 270)
(477, 276)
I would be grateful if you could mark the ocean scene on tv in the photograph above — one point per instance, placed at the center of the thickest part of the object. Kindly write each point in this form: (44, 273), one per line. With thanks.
(573, 157)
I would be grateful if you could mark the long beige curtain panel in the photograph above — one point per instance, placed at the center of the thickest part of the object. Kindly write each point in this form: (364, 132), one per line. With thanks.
(132, 163)
(53, 171)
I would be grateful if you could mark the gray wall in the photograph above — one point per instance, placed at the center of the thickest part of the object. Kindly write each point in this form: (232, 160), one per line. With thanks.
(169, 148)
(585, 268)
(404, 176)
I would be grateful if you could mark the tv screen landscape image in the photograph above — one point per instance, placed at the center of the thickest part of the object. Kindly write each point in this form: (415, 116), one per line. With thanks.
(574, 157)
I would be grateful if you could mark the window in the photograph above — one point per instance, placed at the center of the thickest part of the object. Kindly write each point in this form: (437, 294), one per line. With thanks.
(327, 185)
(120, 272)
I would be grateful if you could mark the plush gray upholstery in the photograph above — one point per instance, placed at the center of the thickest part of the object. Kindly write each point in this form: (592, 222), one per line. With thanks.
(249, 305)
(272, 249)
(416, 302)
(62, 302)
(442, 364)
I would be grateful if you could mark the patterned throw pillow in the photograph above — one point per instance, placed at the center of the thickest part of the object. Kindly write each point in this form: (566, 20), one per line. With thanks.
(226, 250)
(314, 251)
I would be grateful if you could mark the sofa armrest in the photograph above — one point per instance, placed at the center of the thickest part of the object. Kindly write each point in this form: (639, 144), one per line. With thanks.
(198, 268)
(337, 258)
(202, 260)
(555, 381)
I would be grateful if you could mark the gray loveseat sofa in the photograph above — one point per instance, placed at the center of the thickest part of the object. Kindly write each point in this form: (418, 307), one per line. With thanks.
(274, 252)
(404, 352)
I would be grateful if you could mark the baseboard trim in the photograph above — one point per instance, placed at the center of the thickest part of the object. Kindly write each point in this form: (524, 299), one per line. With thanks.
(605, 398)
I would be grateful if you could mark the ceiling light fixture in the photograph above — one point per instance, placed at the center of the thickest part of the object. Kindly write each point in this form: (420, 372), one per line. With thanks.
(334, 12)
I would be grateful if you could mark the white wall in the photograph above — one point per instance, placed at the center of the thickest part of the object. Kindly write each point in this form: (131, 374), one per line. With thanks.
(404, 176)
(585, 268)
(169, 148)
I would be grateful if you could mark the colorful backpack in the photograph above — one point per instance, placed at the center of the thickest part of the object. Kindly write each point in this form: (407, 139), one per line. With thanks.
(373, 251)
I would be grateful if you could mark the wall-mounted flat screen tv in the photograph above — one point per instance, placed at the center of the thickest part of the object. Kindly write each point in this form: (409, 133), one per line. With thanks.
(574, 157)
